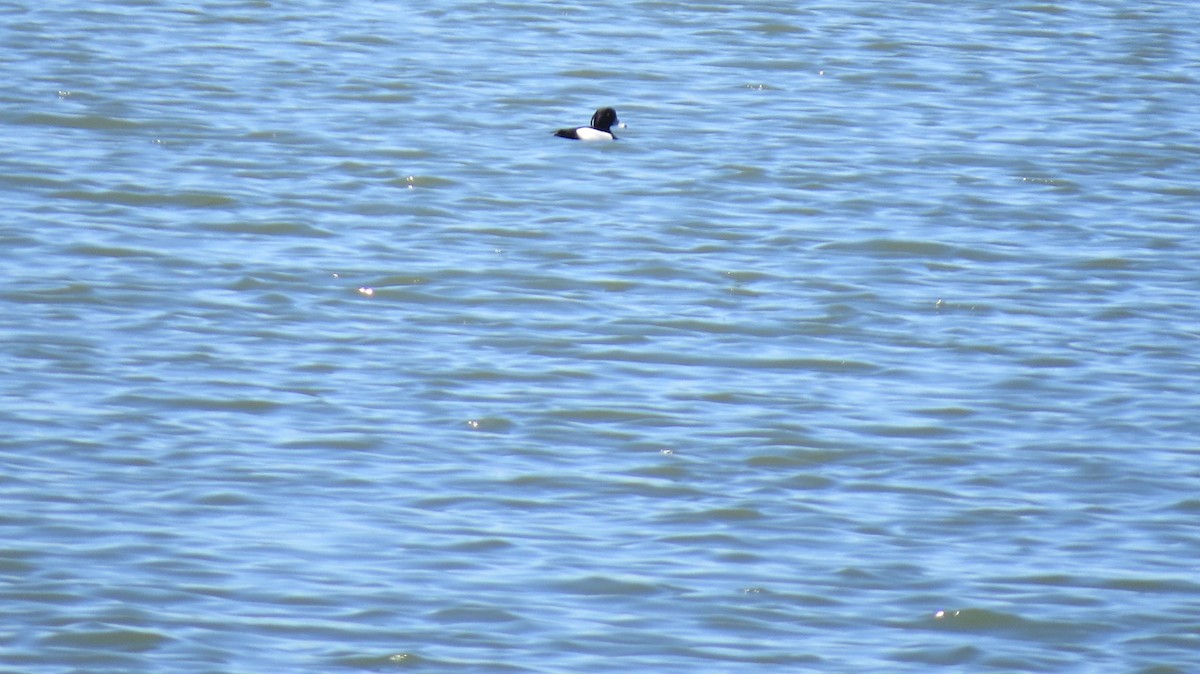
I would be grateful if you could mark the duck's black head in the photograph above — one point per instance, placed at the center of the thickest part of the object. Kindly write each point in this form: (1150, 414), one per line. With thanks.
(605, 119)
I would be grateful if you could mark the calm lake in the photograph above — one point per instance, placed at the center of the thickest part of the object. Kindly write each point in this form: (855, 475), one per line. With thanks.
(872, 345)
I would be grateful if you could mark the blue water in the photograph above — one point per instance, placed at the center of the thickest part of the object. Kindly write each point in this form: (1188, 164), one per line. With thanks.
(870, 346)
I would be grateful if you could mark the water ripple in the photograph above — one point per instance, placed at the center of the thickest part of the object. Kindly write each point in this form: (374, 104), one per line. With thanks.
(868, 346)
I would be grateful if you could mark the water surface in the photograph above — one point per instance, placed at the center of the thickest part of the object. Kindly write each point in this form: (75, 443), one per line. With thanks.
(869, 346)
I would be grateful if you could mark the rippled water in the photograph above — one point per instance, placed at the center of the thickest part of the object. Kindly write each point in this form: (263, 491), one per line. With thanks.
(870, 346)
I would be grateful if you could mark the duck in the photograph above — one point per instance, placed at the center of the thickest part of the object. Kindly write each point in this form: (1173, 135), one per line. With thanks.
(600, 129)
